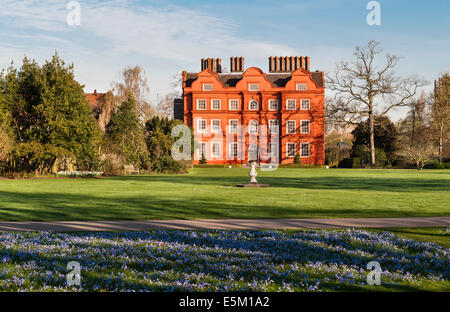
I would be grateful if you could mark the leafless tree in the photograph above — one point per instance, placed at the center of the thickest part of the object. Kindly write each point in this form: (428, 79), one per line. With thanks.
(133, 80)
(440, 111)
(363, 89)
(165, 105)
(420, 153)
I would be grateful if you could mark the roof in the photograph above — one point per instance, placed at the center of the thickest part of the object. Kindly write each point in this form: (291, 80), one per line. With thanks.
(277, 80)
(94, 99)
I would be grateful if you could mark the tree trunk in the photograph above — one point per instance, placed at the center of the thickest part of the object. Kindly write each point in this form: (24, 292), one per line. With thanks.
(441, 143)
(372, 140)
(413, 127)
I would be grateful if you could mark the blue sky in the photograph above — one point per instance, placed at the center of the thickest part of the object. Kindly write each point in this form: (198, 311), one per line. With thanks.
(166, 37)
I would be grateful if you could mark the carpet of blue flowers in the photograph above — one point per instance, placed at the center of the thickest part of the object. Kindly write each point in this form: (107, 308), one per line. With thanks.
(220, 261)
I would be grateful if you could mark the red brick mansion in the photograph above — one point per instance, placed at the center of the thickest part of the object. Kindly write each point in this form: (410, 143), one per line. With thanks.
(247, 115)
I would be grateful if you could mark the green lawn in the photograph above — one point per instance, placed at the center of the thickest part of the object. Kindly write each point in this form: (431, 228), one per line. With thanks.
(210, 193)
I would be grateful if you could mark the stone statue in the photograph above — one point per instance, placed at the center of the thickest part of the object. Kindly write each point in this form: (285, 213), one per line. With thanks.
(253, 173)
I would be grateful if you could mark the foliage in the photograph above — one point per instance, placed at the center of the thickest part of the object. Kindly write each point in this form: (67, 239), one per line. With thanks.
(356, 162)
(159, 141)
(203, 160)
(166, 164)
(297, 159)
(440, 112)
(125, 134)
(346, 163)
(111, 163)
(6, 140)
(47, 108)
(385, 135)
(36, 157)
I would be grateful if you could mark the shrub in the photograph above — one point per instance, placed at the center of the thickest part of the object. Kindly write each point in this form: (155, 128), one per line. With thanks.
(203, 160)
(111, 164)
(346, 163)
(297, 159)
(166, 164)
(356, 162)
(380, 157)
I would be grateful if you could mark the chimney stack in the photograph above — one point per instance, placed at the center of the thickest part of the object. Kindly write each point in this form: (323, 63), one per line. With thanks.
(288, 64)
(237, 64)
(212, 64)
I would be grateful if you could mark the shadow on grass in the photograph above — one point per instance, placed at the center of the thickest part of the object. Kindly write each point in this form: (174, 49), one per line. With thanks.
(74, 207)
(376, 183)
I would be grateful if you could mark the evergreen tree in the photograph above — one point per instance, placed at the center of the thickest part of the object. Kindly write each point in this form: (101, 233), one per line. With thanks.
(297, 159)
(126, 132)
(49, 112)
(385, 135)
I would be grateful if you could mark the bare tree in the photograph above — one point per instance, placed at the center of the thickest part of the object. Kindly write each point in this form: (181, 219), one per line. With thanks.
(165, 105)
(133, 80)
(362, 89)
(420, 153)
(440, 111)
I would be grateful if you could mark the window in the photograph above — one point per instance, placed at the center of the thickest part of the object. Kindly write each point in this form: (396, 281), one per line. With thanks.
(207, 87)
(201, 104)
(306, 104)
(201, 126)
(304, 126)
(305, 150)
(253, 105)
(215, 126)
(273, 104)
(215, 104)
(234, 149)
(233, 126)
(273, 149)
(253, 87)
(215, 149)
(273, 126)
(291, 104)
(201, 149)
(290, 150)
(234, 104)
(290, 126)
(253, 127)
(300, 87)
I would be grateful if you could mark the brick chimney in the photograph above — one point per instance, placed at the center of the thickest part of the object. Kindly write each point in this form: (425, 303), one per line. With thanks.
(212, 64)
(237, 64)
(287, 64)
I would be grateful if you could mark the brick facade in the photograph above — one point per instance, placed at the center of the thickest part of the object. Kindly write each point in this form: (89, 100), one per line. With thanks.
(212, 98)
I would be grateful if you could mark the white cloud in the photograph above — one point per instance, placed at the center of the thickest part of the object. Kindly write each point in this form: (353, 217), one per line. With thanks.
(172, 32)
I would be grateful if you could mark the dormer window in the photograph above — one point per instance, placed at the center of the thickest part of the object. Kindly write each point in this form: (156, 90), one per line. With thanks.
(253, 87)
(300, 86)
(207, 87)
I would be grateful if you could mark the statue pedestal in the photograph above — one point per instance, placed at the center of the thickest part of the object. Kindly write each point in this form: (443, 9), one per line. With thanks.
(253, 185)
(252, 174)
